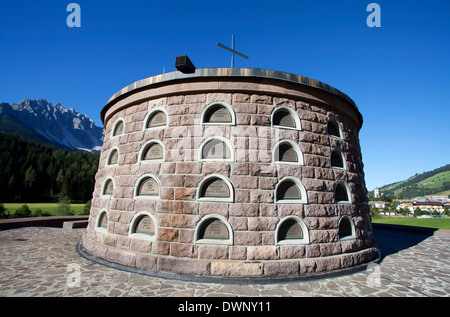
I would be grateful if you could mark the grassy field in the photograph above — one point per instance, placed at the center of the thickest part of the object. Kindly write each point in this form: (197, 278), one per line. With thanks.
(45, 207)
(436, 180)
(438, 223)
(447, 192)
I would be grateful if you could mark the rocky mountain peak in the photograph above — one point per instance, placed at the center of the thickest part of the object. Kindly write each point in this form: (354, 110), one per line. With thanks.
(61, 126)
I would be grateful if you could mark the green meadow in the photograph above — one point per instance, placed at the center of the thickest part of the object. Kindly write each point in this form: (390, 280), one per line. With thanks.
(437, 223)
(46, 208)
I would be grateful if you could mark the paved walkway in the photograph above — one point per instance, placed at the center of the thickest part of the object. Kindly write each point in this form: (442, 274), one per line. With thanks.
(44, 262)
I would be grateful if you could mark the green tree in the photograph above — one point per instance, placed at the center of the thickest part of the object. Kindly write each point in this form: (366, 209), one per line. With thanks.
(374, 212)
(37, 212)
(404, 212)
(30, 177)
(63, 208)
(418, 212)
(60, 177)
(87, 208)
(3, 214)
(23, 212)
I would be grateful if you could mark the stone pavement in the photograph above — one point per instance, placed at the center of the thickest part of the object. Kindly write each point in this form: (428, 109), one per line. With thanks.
(43, 262)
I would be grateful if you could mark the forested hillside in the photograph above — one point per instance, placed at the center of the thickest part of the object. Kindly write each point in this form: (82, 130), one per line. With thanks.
(428, 183)
(33, 172)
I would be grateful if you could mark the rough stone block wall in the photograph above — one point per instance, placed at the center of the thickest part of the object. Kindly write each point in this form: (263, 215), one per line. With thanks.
(254, 214)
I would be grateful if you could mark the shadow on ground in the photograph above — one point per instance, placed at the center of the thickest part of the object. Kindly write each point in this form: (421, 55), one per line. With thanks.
(392, 239)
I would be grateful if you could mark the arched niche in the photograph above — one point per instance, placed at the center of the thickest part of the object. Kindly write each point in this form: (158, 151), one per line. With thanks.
(334, 128)
(156, 118)
(147, 187)
(342, 193)
(214, 229)
(218, 113)
(108, 187)
(292, 230)
(337, 159)
(118, 128)
(216, 149)
(290, 190)
(102, 221)
(287, 152)
(143, 226)
(113, 157)
(346, 228)
(152, 152)
(286, 118)
(215, 188)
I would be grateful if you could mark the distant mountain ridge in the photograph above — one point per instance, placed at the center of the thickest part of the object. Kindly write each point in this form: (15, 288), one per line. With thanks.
(39, 120)
(433, 182)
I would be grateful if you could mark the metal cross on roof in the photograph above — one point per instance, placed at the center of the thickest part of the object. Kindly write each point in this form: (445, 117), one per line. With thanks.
(232, 50)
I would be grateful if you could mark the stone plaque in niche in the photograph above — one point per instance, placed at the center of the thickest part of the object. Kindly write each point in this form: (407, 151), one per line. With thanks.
(215, 229)
(288, 190)
(103, 221)
(158, 119)
(287, 153)
(109, 187)
(145, 225)
(118, 129)
(154, 152)
(291, 230)
(149, 187)
(114, 158)
(284, 118)
(216, 149)
(217, 188)
(219, 115)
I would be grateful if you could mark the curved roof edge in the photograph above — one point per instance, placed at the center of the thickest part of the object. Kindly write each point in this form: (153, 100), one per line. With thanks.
(231, 72)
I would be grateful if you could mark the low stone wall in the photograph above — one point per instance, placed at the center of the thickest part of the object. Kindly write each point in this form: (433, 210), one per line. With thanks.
(50, 221)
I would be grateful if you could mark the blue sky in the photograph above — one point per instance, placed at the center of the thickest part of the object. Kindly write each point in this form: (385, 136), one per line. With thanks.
(397, 74)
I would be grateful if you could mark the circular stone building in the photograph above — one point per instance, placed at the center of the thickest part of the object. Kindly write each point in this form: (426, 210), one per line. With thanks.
(230, 172)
